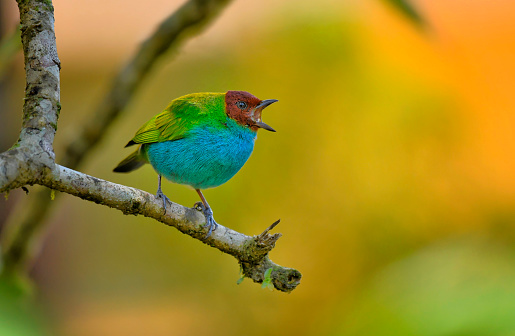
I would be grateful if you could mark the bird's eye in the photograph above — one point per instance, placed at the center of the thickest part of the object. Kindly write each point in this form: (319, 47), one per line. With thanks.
(241, 105)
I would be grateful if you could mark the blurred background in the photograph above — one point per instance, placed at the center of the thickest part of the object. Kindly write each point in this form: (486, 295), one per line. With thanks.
(392, 170)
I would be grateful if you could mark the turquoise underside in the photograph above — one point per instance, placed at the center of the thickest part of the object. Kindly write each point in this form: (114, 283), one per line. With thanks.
(206, 157)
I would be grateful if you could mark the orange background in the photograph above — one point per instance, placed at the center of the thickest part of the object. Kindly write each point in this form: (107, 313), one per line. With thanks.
(393, 171)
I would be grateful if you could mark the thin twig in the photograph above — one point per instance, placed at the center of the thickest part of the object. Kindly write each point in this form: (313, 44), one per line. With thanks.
(270, 228)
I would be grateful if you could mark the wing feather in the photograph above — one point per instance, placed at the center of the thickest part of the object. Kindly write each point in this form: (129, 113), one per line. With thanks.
(181, 116)
(171, 124)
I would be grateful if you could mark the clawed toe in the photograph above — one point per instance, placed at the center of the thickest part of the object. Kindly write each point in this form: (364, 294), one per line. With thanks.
(160, 194)
(165, 199)
(211, 224)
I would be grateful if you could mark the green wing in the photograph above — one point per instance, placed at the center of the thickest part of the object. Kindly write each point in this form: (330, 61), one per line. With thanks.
(180, 116)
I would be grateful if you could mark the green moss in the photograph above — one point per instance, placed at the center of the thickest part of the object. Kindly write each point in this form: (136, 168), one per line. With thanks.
(54, 125)
(16, 145)
(48, 4)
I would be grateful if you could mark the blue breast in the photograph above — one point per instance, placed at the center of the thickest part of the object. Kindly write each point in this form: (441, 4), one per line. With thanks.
(207, 157)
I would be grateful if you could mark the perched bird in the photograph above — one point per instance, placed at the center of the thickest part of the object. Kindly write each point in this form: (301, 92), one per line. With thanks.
(201, 140)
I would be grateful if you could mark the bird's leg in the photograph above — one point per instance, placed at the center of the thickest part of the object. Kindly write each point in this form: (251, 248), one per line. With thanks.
(208, 213)
(160, 193)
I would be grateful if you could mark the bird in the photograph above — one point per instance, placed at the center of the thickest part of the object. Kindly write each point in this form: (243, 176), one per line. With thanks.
(201, 140)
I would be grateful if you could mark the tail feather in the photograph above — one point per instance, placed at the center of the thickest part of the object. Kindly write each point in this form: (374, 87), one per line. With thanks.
(130, 163)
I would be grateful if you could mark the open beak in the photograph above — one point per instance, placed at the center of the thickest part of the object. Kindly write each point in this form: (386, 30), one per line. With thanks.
(260, 107)
(264, 126)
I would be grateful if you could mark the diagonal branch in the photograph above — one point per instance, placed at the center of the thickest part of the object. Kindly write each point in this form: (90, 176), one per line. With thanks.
(251, 252)
(188, 19)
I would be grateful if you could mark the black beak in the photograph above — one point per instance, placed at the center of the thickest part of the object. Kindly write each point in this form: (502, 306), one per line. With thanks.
(264, 126)
(265, 103)
(261, 106)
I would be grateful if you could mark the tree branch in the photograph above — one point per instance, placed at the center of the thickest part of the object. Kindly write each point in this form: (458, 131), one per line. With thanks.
(251, 252)
(32, 160)
(33, 156)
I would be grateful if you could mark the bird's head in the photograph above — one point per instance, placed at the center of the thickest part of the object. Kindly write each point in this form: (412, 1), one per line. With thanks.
(246, 109)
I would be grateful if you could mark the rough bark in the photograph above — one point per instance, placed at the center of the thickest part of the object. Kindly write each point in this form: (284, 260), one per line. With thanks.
(32, 160)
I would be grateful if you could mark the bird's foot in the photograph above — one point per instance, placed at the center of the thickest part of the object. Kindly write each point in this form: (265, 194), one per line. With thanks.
(211, 224)
(165, 199)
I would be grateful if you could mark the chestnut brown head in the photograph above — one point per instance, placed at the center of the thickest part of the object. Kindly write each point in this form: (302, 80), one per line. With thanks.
(246, 109)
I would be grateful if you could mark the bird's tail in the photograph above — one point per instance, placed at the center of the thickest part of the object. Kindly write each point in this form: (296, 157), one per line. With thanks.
(131, 162)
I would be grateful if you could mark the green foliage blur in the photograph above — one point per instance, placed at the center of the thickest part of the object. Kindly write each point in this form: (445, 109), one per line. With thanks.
(392, 171)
